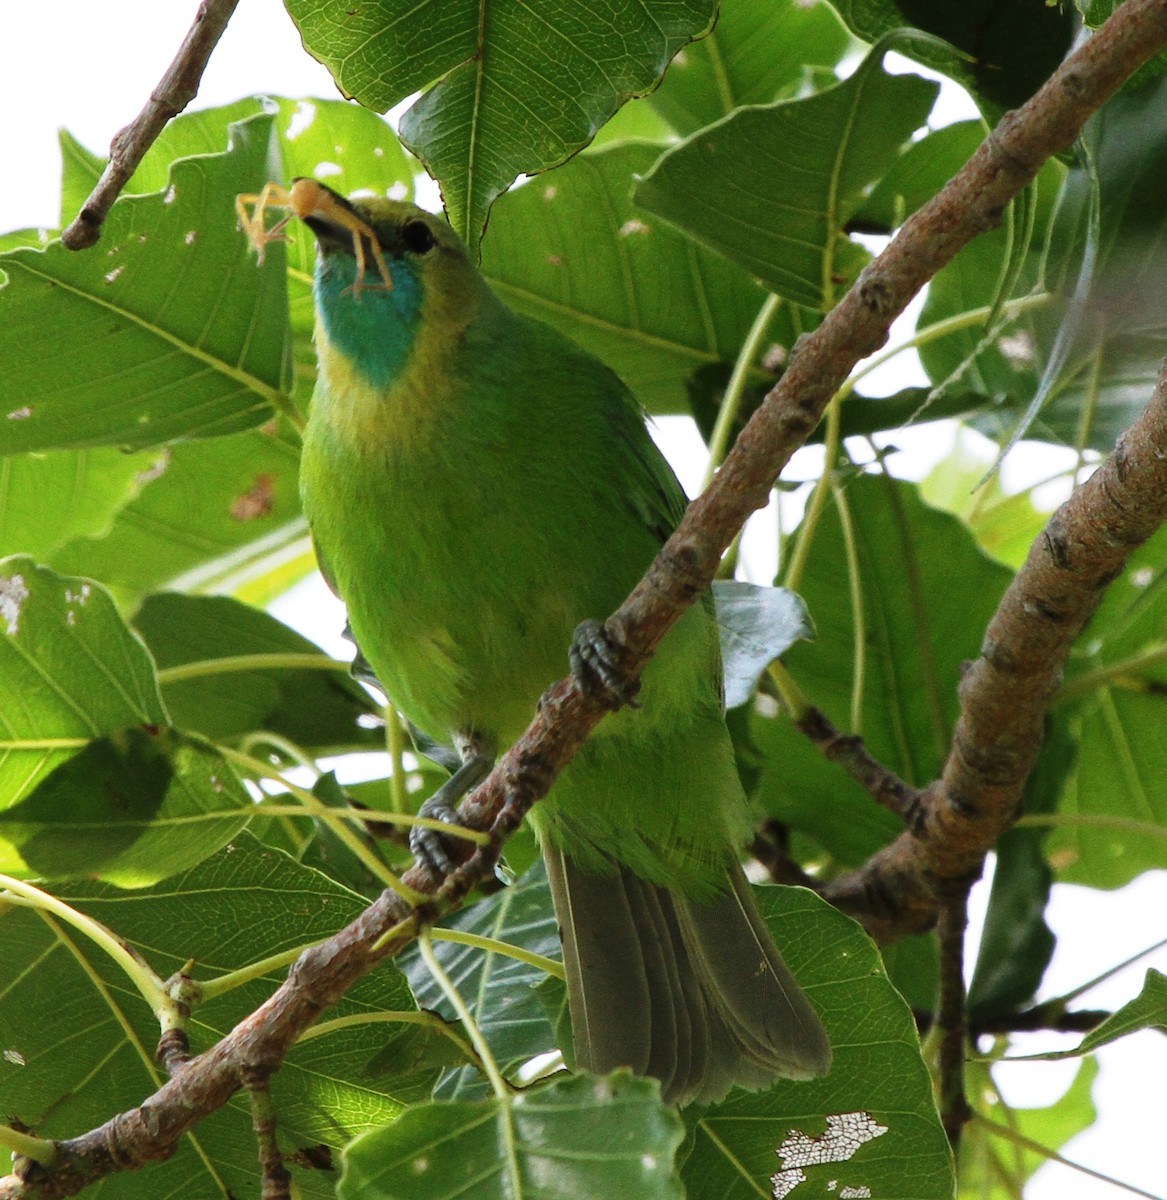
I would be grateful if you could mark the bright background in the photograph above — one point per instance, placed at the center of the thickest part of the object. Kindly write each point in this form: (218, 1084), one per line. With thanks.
(94, 77)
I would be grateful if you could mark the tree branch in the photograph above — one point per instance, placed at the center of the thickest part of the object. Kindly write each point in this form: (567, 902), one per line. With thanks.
(175, 90)
(847, 750)
(970, 204)
(1005, 693)
(952, 1013)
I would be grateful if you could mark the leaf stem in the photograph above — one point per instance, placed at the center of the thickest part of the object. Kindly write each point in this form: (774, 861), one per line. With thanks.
(1018, 1138)
(858, 617)
(395, 744)
(497, 1083)
(427, 1020)
(323, 812)
(732, 400)
(818, 498)
(149, 985)
(495, 946)
(250, 662)
(1102, 676)
(40, 1150)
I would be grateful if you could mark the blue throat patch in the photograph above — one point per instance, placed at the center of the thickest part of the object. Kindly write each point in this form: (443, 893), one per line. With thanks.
(375, 330)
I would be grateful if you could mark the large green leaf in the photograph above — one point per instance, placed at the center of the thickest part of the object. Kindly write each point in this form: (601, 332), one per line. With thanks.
(572, 1137)
(772, 186)
(868, 1127)
(133, 801)
(518, 88)
(211, 509)
(1008, 50)
(70, 668)
(1115, 807)
(86, 1039)
(499, 990)
(574, 251)
(132, 808)
(878, 1092)
(758, 51)
(47, 499)
(163, 330)
(919, 629)
(197, 642)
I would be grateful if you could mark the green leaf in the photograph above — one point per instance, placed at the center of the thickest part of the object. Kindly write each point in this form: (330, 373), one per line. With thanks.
(47, 499)
(499, 990)
(1115, 805)
(755, 625)
(211, 510)
(574, 251)
(130, 808)
(70, 668)
(919, 173)
(758, 50)
(1007, 52)
(87, 1037)
(820, 155)
(995, 1167)
(317, 709)
(518, 91)
(1004, 526)
(1114, 809)
(572, 1137)
(1148, 1010)
(870, 1125)
(132, 804)
(918, 631)
(163, 330)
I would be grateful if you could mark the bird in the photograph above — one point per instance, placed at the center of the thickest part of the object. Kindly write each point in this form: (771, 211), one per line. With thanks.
(481, 492)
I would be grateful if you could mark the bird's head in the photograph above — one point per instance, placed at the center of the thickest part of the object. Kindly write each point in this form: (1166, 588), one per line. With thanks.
(435, 286)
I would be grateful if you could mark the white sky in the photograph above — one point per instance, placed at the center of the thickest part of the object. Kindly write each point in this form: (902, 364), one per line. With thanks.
(92, 71)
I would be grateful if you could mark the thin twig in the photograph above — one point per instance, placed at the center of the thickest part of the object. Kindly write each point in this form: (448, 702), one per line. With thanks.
(277, 1179)
(952, 1012)
(175, 90)
(1041, 1018)
(847, 750)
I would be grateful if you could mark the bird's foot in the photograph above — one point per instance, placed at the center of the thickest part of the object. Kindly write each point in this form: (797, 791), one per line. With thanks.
(440, 852)
(596, 665)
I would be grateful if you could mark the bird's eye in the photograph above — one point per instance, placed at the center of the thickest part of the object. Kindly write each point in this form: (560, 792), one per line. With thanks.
(418, 237)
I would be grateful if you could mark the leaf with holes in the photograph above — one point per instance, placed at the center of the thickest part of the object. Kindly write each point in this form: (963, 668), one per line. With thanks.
(163, 330)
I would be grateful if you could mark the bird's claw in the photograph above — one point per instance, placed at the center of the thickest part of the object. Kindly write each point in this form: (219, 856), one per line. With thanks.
(431, 847)
(596, 665)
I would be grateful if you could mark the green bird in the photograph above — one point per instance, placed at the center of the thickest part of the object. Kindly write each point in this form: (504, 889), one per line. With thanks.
(480, 492)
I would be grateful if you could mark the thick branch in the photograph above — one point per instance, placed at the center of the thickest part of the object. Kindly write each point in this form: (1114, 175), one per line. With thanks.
(970, 204)
(175, 90)
(1005, 693)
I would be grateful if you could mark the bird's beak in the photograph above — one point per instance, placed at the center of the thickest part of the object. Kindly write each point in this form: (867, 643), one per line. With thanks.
(339, 227)
(331, 217)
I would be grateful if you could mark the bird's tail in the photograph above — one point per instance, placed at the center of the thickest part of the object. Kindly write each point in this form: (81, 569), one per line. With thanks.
(693, 994)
